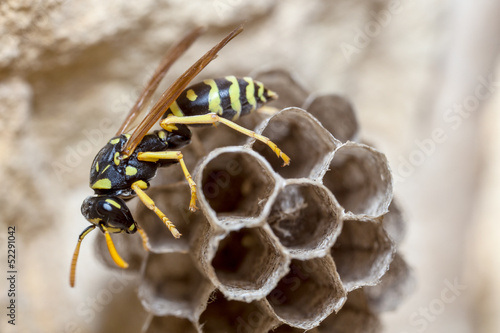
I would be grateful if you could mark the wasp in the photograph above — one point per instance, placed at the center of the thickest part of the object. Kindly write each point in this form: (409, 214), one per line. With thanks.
(124, 166)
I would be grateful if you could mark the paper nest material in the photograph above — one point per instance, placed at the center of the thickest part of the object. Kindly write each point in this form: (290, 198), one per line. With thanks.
(310, 246)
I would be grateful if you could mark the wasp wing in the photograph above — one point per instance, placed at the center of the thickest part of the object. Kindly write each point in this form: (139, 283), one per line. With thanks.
(171, 94)
(145, 97)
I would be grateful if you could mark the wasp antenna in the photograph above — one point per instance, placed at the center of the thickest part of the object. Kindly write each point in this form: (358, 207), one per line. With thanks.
(112, 250)
(75, 255)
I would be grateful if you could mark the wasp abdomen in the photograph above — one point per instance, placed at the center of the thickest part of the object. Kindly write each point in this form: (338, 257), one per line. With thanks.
(230, 97)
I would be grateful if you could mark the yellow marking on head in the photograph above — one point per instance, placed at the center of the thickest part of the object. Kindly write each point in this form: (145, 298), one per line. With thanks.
(130, 171)
(106, 168)
(234, 95)
(114, 230)
(191, 95)
(114, 141)
(260, 92)
(250, 92)
(176, 110)
(132, 227)
(162, 135)
(97, 166)
(213, 97)
(114, 203)
(102, 184)
(95, 221)
(116, 158)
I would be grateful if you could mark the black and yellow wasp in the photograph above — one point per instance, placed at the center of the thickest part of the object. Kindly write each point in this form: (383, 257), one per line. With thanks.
(122, 168)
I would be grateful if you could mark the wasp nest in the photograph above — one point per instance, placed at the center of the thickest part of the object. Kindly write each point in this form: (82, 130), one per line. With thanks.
(310, 246)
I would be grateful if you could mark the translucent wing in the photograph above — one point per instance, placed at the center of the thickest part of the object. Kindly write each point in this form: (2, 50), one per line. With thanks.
(171, 94)
(145, 97)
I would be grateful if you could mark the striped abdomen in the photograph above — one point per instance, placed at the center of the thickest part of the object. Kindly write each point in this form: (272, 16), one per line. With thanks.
(229, 97)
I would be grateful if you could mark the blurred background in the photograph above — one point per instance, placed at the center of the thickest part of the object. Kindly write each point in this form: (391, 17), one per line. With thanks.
(422, 75)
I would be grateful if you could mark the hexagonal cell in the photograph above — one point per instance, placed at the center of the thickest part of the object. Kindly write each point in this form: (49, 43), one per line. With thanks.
(336, 114)
(299, 135)
(286, 85)
(394, 223)
(129, 247)
(360, 178)
(354, 317)
(308, 293)
(172, 285)
(306, 218)
(288, 329)
(393, 288)
(362, 253)
(235, 187)
(173, 200)
(246, 264)
(223, 315)
(169, 324)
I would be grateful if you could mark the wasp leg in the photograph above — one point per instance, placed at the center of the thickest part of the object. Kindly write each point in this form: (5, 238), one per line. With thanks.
(148, 202)
(213, 118)
(172, 155)
(144, 236)
(75, 254)
(112, 250)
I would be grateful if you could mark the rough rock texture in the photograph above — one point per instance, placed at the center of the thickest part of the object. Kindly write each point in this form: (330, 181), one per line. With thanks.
(70, 70)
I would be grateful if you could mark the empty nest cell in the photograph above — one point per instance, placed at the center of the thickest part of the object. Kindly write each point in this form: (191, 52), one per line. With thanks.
(336, 114)
(360, 179)
(354, 317)
(308, 293)
(362, 253)
(394, 223)
(223, 315)
(288, 329)
(235, 185)
(248, 263)
(306, 218)
(172, 285)
(393, 287)
(302, 138)
(169, 324)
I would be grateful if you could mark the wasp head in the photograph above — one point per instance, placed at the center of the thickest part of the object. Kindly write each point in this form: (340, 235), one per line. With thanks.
(111, 215)
(109, 212)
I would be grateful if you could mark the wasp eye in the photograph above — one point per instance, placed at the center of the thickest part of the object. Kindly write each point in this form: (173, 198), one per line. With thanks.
(105, 207)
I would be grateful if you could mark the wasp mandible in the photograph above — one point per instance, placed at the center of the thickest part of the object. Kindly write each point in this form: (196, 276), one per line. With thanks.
(122, 168)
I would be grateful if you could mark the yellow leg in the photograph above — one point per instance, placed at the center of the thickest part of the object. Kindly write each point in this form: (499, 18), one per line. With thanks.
(212, 118)
(112, 250)
(75, 254)
(148, 202)
(172, 155)
(144, 236)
